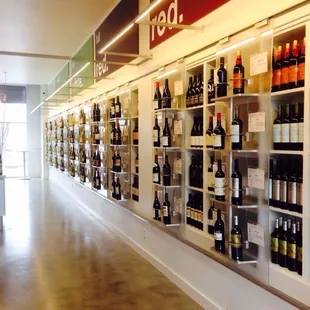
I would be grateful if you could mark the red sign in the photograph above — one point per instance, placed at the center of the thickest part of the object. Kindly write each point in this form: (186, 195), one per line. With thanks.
(178, 12)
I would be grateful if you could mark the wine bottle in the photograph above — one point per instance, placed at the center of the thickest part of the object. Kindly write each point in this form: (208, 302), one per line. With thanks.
(222, 79)
(292, 250)
(118, 192)
(201, 89)
(293, 68)
(236, 178)
(292, 188)
(188, 210)
(283, 246)
(193, 173)
(199, 183)
(197, 91)
(236, 131)
(166, 210)
(219, 189)
(238, 83)
(301, 65)
(156, 208)
(114, 162)
(200, 131)
(98, 114)
(166, 96)
(193, 211)
(236, 241)
(299, 198)
(166, 173)
(285, 68)
(300, 144)
(210, 219)
(94, 178)
(133, 190)
(299, 248)
(209, 134)
(277, 71)
(157, 103)
(276, 130)
(98, 159)
(113, 135)
(118, 135)
(293, 128)
(156, 171)
(276, 186)
(113, 188)
(82, 175)
(189, 92)
(194, 133)
(98, 180)
(280, 224)
(94, 112)
(137, 163)
(118, 163)
(166, 141)
(219, 233)
(97, 135)
(270, 182)
(118, 108)
(112, 109)
(211, 176)
(156, 134)
(219, 132)
(285, 128)
(211, 88)
(135, 134)
(283, 185)
(200, 213)
(275, 243)
(195, 96)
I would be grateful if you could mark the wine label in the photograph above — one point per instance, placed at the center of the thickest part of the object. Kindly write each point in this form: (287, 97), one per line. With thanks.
(155, 105)
(156, 177)
(200, 217)
(188, 212)
(97, 136)
(235, 133)
(283, 191)
(196, 215)
(301, 132)
(210, 179)
(236, 241)
(277, 77)
(155, 135)
(218, 236)
(276, 131)
(116, 136)
(112, 111)
(285, 133)
(210, 222)
(117, 109)
(293, 73)
(165, 141)
(193, 141)
(165, 211)
(292, 192)
(291, 250)
(238, 80)
(270, 188)
(112, 136)
(274, 244)
(196, 141)
(299, 254)
(117, 190)
(135, 135)
(283, 247)
(284, 75)
(299, 198)
(293, 132)
(235, 188)
(301, 72)
(276, 190)
(97, 182)
(219, 191)
(217, 141)
(219, 182)
(118, 162)
(209, 141)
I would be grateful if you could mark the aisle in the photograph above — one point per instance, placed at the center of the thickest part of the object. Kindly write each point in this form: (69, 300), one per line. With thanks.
(54, 256)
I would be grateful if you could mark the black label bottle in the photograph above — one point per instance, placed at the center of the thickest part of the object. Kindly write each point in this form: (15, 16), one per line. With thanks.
(166, 210)
(211, 219)
(283, 185)
(112, 109)
(156, 208)
(211, 88)
(292, 250)
(222, 79)
(275, 243)
(166, 173)
(156, 134)
(219, 132)
(118, 191)
(283, 246)
(209, 134)
(299, 249)
(236, 191)
(219, 189)
(276, 187)
(219, 233)
(201, 89)
(292, 188)
(118, 108)
(156, 171)
(189, 92)
(236, 241)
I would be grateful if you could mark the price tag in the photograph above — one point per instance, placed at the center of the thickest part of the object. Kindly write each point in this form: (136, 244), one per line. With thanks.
(178, 128)
(177, 165)
(258, 63)
(256, 234)
(257, 122)
(178, 88)
(256, 178)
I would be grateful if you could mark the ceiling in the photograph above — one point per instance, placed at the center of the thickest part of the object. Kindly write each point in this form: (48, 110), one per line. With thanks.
(54, 27)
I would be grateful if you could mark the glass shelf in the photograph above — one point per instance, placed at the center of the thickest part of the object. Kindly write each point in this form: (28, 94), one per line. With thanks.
(171, 186)
(194, 108)
(121, 145)
(194, 188)
(112, 120)
(167, 149)
(167, 110)
(227, 98)
(281, 93)
(247, 260)
(291, 213)
(286, 152)
(227, 203)
(120, 173)
(118, 200)
(194, 148)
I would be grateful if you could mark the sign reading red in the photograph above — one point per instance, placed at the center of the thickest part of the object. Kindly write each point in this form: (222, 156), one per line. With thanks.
(178, 12)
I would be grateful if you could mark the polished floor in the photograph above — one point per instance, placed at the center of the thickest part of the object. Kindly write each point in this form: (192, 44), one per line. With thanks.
(54, 256)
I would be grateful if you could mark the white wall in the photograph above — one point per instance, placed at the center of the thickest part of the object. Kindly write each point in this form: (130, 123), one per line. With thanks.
(34, 131)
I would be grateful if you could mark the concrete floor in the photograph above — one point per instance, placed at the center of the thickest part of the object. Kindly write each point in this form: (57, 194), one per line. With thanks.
(53, 255)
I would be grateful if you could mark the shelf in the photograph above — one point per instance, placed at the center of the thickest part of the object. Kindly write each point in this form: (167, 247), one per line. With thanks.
(135, 173)
(200, 232)
(194, 108)
(171, 186)
(120, 173)
(291, 213)
(194, 148)
(233, 151)
(167, 149)
(227, 98)
(286, 152)
(116, 200)
(246, 261)
(167, 110)
(98, 123)
(134, 117)
(227, 203)
(293, 91)
(122, 145)
(211, 105)
(112, 120)
(96, 167)
(210, 193)
(194, 188)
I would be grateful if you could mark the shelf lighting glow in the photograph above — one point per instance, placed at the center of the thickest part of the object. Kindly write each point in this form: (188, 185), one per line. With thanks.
(167, 73)
(229, 48)
(150, 8)
(266, 33)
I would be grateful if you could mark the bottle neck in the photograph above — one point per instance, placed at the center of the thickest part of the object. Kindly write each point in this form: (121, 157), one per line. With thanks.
(236, 112)
(238, 60)
(219, 164)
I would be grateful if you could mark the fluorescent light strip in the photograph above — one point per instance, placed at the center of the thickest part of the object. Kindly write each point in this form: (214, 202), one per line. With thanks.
(266, 33)
(63, 85)
(224, 50)
(150, 8)
(167, 73)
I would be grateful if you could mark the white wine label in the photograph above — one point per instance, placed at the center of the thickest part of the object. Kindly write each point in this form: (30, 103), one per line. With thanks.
(276, 133)
(200, 140)
(192, 213)
(97, 182)
(117, 109)
(112, 110)
(285, 133)
(196, 215)
(196, 141)
(210, 222)
(155, 105)
(209, 140)
(112, 136)
(219, 191)
(218, 236)
(299, 194)
(270, 188)
(283, 191)
(188, 212)
(165, 211)
(165, 141)
(97, 136)
(301, 132)
(155, 135)
(193, 141)
(219, 182)
(292, 192)
(235, 187)
(210, 179)
(217, 141)
(117, 191)
(199, 217)
(293, 132)
(155, 177)
(235, 133)
(276, 190)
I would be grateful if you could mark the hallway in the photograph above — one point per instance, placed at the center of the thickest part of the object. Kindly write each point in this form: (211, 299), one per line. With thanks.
(54, 256)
